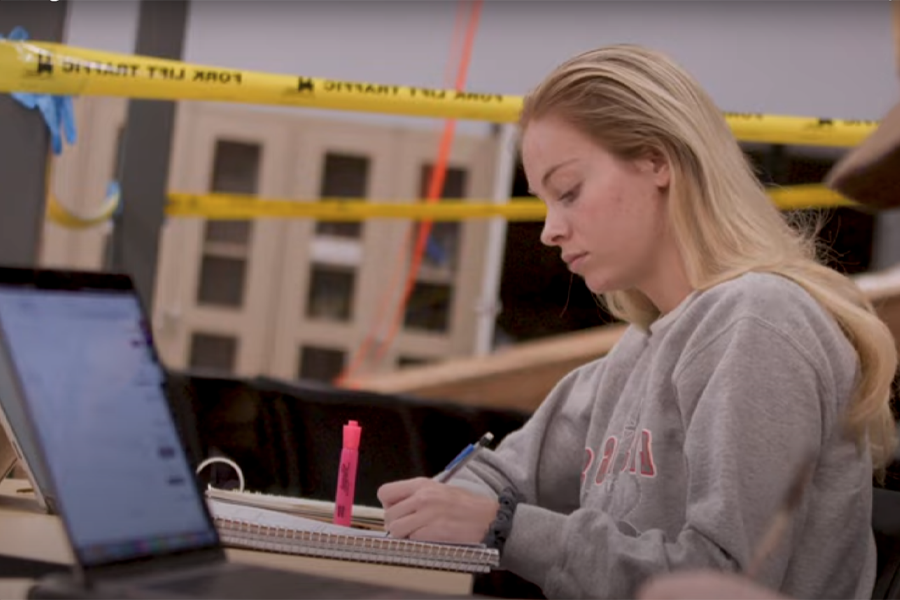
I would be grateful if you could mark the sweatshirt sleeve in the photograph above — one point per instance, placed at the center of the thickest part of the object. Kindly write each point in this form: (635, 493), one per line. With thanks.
(751, 403)
(526, 459)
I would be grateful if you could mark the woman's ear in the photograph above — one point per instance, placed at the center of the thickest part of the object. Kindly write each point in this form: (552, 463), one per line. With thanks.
(660, 166)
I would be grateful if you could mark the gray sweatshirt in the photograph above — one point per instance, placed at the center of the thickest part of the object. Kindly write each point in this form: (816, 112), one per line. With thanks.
(675, 450)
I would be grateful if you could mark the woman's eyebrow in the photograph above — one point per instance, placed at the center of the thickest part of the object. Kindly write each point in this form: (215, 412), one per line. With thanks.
(549, 173)
(554, 169)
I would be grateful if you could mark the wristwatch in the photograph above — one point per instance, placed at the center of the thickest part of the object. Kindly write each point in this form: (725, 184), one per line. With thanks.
(500, 529)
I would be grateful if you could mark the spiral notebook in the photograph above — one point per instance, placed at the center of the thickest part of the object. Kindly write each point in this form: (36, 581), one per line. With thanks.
(254, 528)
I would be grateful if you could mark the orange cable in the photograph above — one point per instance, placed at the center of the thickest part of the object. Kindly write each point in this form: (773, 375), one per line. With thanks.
(364, 348)
(436, 183)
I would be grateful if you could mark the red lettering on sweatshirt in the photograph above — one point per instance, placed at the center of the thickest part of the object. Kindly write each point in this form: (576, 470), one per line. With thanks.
(641, 446)
(588, 461)
(609, 455)
(648, 467)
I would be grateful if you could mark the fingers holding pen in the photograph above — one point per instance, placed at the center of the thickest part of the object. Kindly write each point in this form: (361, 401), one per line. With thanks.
(390, 494)
(428, 510)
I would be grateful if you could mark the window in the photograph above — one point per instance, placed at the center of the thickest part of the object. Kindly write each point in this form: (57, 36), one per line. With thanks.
(235, 171)
(331, 293)
(412, 361)
(429, 303)
(228, 232)
(320, 364)
(429, 307)
(216, 352)
(343, 176)
(221, 281)
(442, 248)
(455, 182)
(224, 262)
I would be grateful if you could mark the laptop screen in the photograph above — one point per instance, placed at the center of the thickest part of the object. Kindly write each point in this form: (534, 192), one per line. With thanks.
(94, 390)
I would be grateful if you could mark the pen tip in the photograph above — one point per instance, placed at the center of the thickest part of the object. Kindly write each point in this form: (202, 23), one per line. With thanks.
(487, 438)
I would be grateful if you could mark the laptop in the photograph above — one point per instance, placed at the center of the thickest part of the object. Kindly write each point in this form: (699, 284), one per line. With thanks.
(16, 442)
(79, 351)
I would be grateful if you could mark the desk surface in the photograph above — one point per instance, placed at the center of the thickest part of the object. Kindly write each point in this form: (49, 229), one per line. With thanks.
(27, 532)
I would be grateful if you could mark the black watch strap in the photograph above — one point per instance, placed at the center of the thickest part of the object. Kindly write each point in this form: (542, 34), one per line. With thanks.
(500, 529)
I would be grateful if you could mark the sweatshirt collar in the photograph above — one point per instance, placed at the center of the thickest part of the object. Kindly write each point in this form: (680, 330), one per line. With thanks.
(662, 322)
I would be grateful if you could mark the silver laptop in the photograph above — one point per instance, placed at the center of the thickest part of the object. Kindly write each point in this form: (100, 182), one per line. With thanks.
(16, 438)
(80, 355)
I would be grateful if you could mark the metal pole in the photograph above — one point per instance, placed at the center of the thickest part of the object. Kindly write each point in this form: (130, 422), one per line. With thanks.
(25, 142)
(489, 304)
(886, 242)
(146, 146)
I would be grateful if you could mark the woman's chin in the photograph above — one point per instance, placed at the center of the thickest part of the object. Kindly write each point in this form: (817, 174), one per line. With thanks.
(604, 283)
(600, 285)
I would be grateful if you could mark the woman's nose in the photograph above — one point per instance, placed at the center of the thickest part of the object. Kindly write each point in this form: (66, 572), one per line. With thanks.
(554, 229)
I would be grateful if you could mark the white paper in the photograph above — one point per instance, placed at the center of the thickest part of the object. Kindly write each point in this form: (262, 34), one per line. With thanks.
(272, 518)
(369, 514)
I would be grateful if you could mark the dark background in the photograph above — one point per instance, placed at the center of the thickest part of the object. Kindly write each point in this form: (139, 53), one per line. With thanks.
(541, 298)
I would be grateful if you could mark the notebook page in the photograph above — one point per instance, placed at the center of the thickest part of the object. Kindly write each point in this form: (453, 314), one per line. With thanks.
(370, 514)
(270, 518)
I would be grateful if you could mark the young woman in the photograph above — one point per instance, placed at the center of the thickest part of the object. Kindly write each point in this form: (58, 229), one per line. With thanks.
(743, 358)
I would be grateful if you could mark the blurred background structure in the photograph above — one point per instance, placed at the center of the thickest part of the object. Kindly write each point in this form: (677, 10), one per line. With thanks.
(297, 299)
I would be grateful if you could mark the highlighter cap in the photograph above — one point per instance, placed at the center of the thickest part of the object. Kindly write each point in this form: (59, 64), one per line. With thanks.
(352, 431)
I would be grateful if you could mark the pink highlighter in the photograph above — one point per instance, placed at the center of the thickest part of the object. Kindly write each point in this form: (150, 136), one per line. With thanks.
(346, 486)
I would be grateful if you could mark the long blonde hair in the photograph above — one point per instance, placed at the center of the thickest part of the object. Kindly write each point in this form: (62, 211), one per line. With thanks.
(632, 100)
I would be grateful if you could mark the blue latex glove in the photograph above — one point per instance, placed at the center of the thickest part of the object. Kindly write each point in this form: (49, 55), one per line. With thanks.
(57, 110)
(113, 190)
(435, 252)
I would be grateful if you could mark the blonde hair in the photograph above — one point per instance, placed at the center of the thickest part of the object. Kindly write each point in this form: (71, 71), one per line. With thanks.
(632, 100)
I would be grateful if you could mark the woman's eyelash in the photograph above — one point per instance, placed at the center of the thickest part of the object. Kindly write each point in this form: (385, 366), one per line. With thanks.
(570, 195)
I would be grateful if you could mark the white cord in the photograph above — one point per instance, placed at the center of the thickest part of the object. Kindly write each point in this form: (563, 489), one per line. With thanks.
(228, 462)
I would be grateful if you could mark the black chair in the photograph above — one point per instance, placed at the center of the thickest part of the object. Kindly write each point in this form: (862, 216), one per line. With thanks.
(317, 415)
(443, 429)
(224, 416)
(403, 436)
(182, 404)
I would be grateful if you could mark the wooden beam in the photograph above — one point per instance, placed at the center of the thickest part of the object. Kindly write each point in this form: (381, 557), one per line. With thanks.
(896, 21)
(518, 377)
(521, 376)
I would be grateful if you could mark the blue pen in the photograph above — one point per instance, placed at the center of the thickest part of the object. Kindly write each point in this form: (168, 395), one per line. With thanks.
(463, 457)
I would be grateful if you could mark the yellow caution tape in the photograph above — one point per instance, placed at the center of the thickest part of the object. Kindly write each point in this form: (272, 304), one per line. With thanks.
(217, 206)
(49, 68)
(799, 131)
(800, 197)
(239, 207)
(61, 215)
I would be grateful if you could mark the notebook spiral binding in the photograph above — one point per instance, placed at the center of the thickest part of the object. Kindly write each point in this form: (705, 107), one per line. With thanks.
(431, 555)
